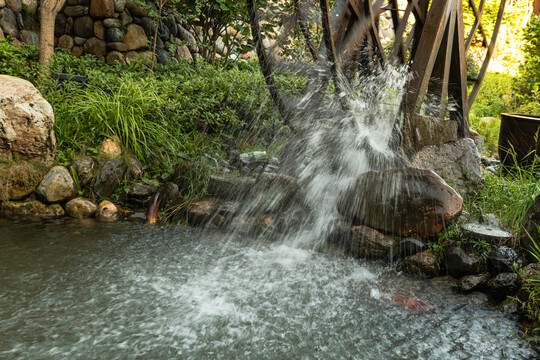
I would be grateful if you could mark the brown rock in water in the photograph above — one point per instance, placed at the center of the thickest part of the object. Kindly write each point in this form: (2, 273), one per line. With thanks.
(473, 282)
(108, 211)
(26, 122)
(423, 264)
(401, 201)
(369, 243)
(81, 208)
(57, 186)
(202, 212)
(30, 208)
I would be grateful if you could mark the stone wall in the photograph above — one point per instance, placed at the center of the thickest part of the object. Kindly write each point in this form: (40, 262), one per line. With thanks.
(112, 30)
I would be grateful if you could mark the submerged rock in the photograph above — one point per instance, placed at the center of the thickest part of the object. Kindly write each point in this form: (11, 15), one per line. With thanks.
(422, 264)
(32, 208)
(81, 208)
(57, 186)
(459, 263)
(401, 201)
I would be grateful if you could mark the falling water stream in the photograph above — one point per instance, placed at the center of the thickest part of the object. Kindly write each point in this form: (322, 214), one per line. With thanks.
(83, 289)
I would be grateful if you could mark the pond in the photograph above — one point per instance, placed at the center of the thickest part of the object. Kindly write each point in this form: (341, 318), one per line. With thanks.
(84, 289)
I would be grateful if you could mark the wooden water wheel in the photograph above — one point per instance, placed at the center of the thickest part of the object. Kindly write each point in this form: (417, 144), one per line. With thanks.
(335, 42)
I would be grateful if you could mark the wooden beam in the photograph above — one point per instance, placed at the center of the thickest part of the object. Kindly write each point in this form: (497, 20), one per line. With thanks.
(477, 24)
(491, 48)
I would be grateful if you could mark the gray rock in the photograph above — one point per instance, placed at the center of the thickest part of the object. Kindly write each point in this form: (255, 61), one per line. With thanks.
(96, 47)
(503, 285)
(79, 40)
(29, 37)
(57, 186)
(60, 25)
(147, 25)
(508, 307)
(274, 193)
(458, 163)
(182, 53)
(473, 282)
(75, 11)
(502, 259)
(459, 263)
(487, 232)
(80, 208)
(84, 27)
(119, 5)
(112, 23)
(186, 36)
(163, 30)
(84, 166)
(115, 35)
(170, 22)
(162, 57)
(8, 22)
(14, 5)
(410, 246)
(110, 177)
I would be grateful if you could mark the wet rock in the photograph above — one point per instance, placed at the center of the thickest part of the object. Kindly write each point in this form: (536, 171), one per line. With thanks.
(80, 208)
(243, 225)
(57, 186)
(202, 212)
(171, 194)
(508, 307)
(111, 148)
(422, 264)
(110, 177)
(340, 233)
(459, 263)
(473, 282)
(530, 271)
(401, 201)
(141, 192)
(443, 282)
(531, 233)
(491, 220)
(135, 38)
(8, 23)
(26, 122)
(84, 167)
(457, 162)
(230, 187)
(485, 231)
(478, 299)
(30, 208)
(108, 211)
(411, 246)
(183, 173)
(502, 259)
(19, 179)
(273, 193)
(96, 47)
(102, 8)
(369, 243)
(503, 284)
(292, 218)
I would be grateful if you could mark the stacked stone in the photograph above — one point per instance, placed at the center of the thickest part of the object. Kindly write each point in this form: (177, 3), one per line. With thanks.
(115, 31)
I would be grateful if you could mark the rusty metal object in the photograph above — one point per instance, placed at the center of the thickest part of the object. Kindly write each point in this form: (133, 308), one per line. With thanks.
(429, 37)
(519, 135)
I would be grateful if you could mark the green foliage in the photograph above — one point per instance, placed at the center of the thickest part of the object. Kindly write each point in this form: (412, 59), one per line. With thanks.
(528, 84)
(20, 61)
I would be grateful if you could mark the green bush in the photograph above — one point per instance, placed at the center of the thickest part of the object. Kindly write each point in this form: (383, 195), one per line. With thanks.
(528, 84)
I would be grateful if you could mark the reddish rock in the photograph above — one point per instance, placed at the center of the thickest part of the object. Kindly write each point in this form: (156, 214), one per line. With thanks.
(108, 211)
(26, 122)
(401, 201)
(101, 8)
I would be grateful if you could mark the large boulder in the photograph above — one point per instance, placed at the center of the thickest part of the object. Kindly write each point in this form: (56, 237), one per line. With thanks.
(457, 162)
(57, 186)
(401, 201)
(26, 122)
(135, 38)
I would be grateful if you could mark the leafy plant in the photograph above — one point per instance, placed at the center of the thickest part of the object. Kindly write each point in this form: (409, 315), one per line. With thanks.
(529, 81)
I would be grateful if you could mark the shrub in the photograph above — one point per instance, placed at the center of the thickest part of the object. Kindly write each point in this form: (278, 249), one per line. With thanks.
(529, 81)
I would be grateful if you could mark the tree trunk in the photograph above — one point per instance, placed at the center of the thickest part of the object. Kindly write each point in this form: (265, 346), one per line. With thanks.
(48, 11)
(536, 7)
